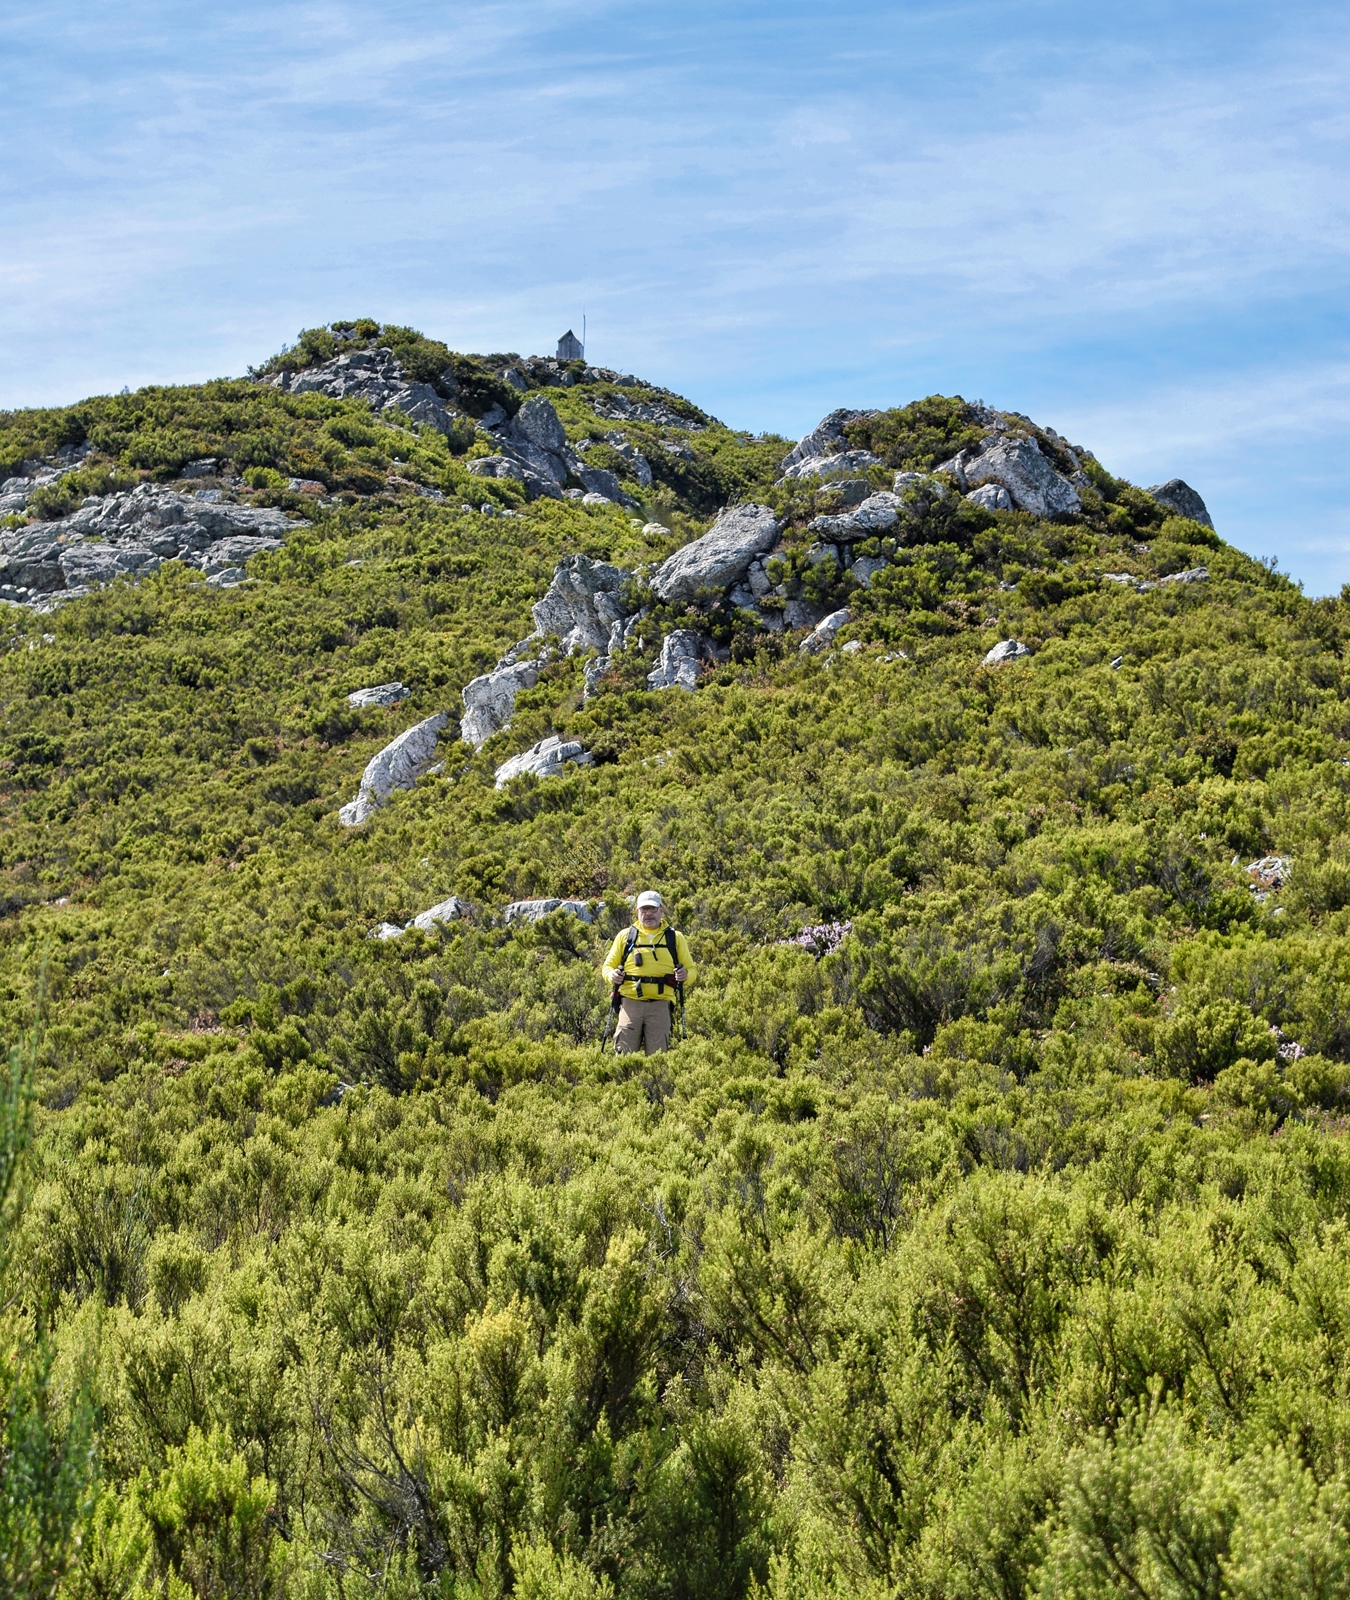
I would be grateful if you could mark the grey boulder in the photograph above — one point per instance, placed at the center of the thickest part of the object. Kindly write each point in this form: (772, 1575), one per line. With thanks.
(678, 666)
(601, 481)
(398, 766)
(490, 700)
(825, 439)
(583, 604)
(1181, 498)
(849, 492)
(876, 515)
(538, 424)
(383, 694)
(823, 634)
(236, 550)
(1006, 650)
(992, 496)
(1018, 465)
(496, 467)
(846, 465)
(550, 758)
(452, 910)
(757, 578)
(721, 556)
(865, 568)
(533, 910)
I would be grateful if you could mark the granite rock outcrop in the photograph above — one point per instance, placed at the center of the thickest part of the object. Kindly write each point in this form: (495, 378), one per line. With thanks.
(722, 556)
(398, 766)
(1019, 467)
(550, 758)
(825, 441)
(1180, 497)
(583, 604)
(681, 657)
(376, 377)
(489, 700)
(533, 910)
(133, 531)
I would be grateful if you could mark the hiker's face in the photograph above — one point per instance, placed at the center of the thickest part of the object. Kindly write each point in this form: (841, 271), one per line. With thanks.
(650, 916)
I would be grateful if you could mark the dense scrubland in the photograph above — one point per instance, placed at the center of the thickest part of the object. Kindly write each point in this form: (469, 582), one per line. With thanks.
(991, 1240)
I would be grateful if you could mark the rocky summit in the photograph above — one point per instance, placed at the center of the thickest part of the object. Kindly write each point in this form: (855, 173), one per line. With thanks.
(983, 1232)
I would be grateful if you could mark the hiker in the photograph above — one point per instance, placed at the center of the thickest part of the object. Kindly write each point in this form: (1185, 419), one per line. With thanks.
(643, 968)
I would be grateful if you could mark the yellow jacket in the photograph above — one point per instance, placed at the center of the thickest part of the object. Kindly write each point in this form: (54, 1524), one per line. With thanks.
(648, 962)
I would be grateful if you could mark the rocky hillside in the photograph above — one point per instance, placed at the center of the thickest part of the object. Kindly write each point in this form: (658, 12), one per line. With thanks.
(987, 1233)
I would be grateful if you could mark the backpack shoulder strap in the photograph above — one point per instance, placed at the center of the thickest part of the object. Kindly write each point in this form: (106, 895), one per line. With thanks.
(670, 945)
(623, 967)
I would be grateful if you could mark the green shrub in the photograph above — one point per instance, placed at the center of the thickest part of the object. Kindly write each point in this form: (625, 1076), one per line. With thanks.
(1181, 530)
(1199, 1042)
(986, 1242)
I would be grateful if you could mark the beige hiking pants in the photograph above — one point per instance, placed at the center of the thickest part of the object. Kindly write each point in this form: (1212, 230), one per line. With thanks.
(645, 1022)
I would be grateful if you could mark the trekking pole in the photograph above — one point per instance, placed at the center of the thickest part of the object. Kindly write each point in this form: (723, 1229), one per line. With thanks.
(612, 1018)
(679, 990)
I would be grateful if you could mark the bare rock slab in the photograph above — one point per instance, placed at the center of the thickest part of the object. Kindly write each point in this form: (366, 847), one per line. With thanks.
(550, 758)
(1180, 497)
(722, 556)
(490, 700)
(398, 766)
(533, 910)
(383, 694)
(876, 515)
(1004, 651)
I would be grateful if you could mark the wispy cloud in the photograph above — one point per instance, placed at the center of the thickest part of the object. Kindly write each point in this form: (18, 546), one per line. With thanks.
(779, 207)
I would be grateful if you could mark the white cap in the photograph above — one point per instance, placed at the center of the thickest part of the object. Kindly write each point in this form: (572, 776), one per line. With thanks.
(649, 897)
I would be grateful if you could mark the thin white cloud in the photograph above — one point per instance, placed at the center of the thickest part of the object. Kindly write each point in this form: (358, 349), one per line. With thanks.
(1244, 418)
(757, 204)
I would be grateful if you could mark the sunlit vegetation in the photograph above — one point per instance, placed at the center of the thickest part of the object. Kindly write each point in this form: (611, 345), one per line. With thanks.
(1000, 1252)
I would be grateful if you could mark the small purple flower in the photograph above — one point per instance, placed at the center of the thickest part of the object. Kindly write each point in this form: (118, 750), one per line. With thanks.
(821, 940)
(1290, 1051)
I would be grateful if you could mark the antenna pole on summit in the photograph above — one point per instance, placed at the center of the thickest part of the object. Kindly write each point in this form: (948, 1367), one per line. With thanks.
(583, 335)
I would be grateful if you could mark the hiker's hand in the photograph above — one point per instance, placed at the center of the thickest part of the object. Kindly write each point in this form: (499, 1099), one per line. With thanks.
(680, 974)
(616, 980)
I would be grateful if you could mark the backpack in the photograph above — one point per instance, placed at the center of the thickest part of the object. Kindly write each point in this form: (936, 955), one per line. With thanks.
(660, 983)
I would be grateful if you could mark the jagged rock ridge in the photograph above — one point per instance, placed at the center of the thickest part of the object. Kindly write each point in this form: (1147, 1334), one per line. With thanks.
(134, 531)
(585, 605)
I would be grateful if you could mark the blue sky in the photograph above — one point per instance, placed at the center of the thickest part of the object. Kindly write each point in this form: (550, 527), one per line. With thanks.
(1129, 222)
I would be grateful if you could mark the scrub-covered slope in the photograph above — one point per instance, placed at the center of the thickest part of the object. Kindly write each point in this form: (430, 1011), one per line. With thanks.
(986, 1236)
